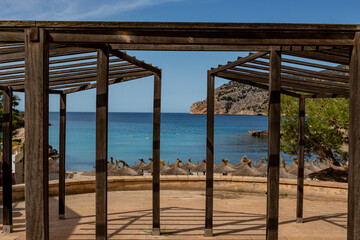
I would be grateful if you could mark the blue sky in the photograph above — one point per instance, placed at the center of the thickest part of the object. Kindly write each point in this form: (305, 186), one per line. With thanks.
(184, 73)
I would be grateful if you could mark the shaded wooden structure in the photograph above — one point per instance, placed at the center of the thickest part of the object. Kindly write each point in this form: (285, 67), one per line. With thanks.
(279, 74)
(37, 42)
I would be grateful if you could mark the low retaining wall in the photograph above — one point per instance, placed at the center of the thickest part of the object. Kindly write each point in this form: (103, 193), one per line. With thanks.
(330, 190)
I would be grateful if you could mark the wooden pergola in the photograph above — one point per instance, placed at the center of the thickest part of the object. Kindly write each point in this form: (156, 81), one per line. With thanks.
(279, 74)
(41, 40)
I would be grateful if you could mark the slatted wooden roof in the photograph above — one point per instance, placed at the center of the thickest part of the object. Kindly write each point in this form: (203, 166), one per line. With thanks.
(323, 42)
(299, 76)
(71, 69)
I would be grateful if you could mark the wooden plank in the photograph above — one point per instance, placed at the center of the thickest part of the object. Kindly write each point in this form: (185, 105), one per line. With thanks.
(255, 84)
(353, 227)
(204, 37)
(7, 161)
(209, 156)
(156, 154)
(36, 132)
(101, 143)
(135, 61)
(315, 65)
(321, 57)
(238, 62)
(300, 176)
(272, 213)
(114, 81)
(11, 36)
(62, 147)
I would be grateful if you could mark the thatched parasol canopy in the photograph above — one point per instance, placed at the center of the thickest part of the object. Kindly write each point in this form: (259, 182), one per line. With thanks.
(261, 166)
(247, 170)
(174, 170)
(224, 167)
(293, 168)
(141, 166)
(149, 166)
(177, 163)
(283, 172)
(201, 167)
(125, 170)
(243, 160)
(189, 166)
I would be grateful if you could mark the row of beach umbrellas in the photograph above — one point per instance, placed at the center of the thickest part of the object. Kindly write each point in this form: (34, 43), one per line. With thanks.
(243, 168)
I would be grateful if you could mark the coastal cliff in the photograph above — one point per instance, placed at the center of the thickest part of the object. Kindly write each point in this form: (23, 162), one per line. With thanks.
(234, 98)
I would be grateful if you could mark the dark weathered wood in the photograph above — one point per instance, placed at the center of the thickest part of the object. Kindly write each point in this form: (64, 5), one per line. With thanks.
(300, 177)
(354, 143)
(114, 81)
(62, 145)
(135, 61)
(320, 56)
(272, 213)
(7, 161)
(209, 156)
(238, 62)
(101, 143)
(310, 64)
(36, 132)
(156, 154)
(254, 83)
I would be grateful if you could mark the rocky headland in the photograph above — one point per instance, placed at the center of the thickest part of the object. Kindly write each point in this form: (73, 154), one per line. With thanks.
(235, 99)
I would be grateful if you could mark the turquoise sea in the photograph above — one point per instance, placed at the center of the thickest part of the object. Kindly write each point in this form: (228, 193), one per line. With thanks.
(182, 136)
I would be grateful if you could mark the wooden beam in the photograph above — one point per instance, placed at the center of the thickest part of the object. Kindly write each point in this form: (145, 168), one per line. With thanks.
(7, 162)
(156, 154)
(203, 37)
(62, 146)
(37, 132)
(353, 228)
(255, 84)
(321, 57)
(272, 213)
(101, 143)
(11, 36)
(135, 61)
(300, 176)
(114, 81)
(238, 62)
(209, 156)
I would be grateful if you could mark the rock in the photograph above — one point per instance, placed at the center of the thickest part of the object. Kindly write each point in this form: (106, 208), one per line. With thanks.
(235, 99)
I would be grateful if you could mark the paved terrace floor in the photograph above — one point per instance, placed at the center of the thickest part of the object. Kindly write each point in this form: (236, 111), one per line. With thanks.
(236, 216)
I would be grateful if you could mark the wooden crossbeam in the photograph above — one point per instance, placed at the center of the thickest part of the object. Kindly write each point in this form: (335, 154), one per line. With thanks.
(238, 62)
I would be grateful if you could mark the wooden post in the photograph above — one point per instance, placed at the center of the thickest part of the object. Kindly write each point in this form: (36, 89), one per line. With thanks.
(354, 144)
(209, 157)
(36, 133)
(7, 161)
(62, 144)
(156, 154)
(300, 179)
(101, 142)
(272, 214)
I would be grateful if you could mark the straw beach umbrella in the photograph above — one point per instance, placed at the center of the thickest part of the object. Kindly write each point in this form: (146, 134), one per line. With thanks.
(201, 167)
(283, 172)
(174, 170)
(177, 163)
(293, 168)
(247, 170)
(149, 166)
(261, 166)
(141, 166)
(189, 166)
(243, 160)
(125, 170)
(224, 167)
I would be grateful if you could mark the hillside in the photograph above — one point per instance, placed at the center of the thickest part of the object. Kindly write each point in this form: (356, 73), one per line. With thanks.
(235, 99)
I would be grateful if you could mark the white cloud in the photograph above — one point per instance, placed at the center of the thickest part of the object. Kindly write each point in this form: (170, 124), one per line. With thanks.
(70, 9)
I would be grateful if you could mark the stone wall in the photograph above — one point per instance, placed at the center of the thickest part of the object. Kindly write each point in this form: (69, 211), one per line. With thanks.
(318, 189)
